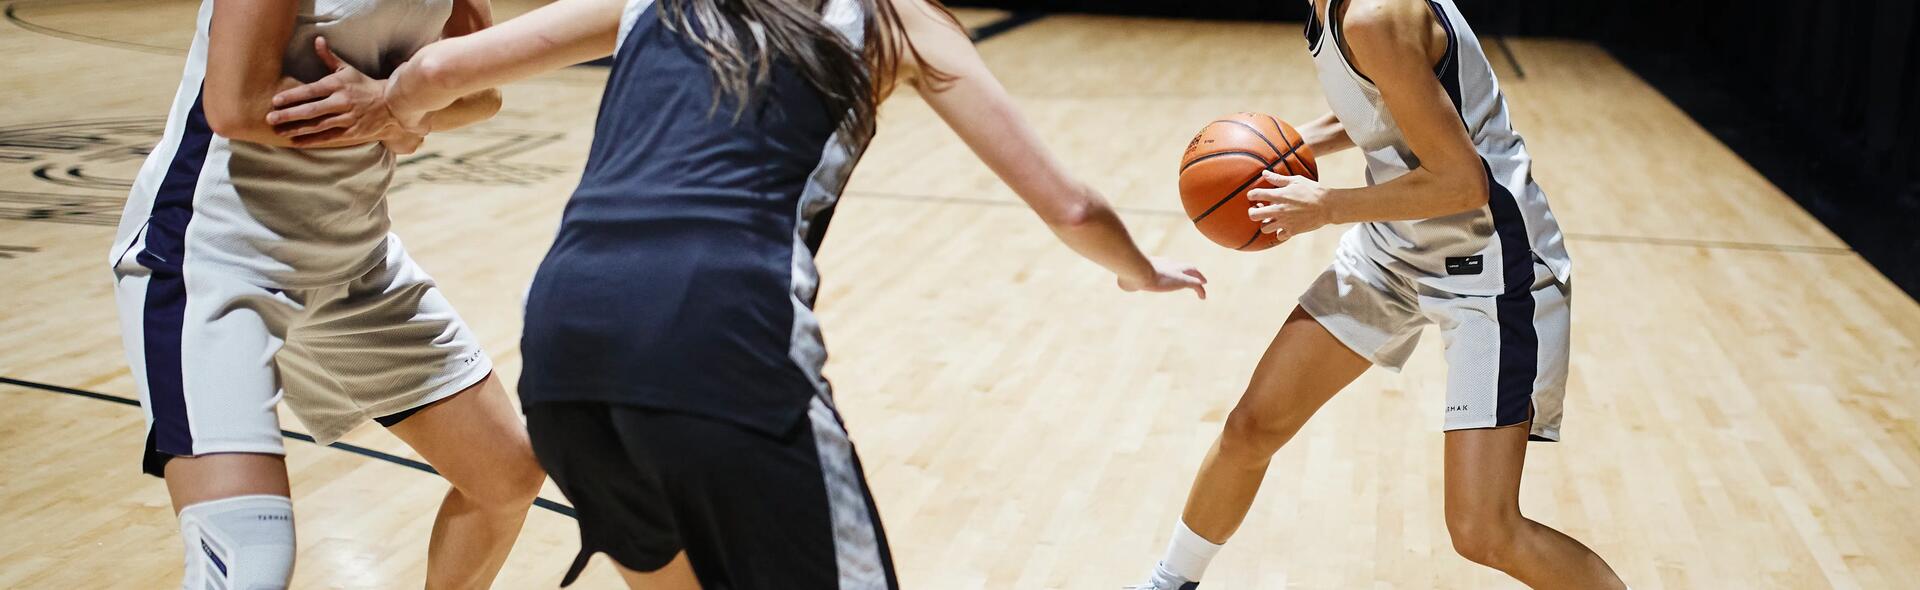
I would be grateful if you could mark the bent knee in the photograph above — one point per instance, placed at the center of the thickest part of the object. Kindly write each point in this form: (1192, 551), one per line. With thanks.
(1255, 434)
(511, 485)
(1486, 540)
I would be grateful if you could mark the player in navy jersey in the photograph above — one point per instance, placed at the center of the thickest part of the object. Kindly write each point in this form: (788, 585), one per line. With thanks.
(1451, 231)
(254, 265)
(672, 383)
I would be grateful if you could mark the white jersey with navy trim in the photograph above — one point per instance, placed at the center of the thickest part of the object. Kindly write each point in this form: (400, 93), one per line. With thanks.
(276, 216)
(1486, 251)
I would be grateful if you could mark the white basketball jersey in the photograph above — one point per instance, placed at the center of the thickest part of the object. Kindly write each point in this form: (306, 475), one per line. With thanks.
(1485, 251)
(279, 216)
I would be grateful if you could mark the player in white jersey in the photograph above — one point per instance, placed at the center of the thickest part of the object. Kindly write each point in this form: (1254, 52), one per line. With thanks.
(254, 263)
(1451, 231)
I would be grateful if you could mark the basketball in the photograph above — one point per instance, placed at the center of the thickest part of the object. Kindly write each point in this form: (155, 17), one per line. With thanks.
(1224, 161)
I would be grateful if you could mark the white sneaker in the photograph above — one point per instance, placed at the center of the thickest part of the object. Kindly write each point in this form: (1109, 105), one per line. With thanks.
(1161, 580)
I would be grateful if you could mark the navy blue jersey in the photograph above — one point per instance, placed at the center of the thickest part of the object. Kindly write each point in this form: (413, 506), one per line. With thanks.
(682, 277)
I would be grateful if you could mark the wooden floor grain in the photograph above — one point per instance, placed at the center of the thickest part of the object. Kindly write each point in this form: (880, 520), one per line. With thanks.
(1741, 412)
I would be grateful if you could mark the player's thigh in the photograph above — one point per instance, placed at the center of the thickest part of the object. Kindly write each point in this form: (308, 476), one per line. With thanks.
(1483, 468)
(1303, 367)
(193, 480)
(476, 440)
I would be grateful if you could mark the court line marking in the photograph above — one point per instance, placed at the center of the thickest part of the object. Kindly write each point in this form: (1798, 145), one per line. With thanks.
(550, 505)
(83, 38)
(1519, 72)
(1578, 236)
(996, 28)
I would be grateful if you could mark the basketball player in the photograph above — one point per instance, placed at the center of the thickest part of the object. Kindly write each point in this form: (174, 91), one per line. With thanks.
(248, 270)
(672, 382)
(1452, 232)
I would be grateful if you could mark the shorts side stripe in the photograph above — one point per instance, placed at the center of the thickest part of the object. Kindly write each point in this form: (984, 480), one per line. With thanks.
(1519, 343)
(164, 252)
(879, 530)
(860, 555)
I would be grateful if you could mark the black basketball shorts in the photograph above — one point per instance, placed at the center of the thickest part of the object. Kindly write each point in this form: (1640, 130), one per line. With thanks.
(752, 511)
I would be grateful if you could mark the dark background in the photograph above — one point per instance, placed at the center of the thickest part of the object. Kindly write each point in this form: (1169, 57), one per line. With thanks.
(1821, 97)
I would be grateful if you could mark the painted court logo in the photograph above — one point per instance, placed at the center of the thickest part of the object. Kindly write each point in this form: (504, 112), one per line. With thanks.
(79, 172)
(73, 172)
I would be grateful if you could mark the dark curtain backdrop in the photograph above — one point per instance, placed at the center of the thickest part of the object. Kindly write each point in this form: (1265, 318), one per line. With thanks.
(1822, 97)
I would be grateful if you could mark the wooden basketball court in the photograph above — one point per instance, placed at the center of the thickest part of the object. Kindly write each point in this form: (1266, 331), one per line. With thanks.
(1743, 409)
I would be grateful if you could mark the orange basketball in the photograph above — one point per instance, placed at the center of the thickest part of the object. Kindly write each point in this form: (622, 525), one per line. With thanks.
(1224, 162)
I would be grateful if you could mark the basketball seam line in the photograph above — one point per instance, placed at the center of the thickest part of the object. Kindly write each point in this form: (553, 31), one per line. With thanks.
(1190, 163)
(1292, 147)
(1256, 236)
(1256, 132)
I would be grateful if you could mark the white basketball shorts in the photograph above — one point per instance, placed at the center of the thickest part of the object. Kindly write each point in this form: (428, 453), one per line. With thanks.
(1506, 354)
(213, 354)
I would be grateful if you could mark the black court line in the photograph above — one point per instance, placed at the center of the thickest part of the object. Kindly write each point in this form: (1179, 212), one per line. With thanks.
(555, 507)
(999, 27)
(1575, 236)
(1519, 73)
(1711, 244)
(7, 252)
(83, 38)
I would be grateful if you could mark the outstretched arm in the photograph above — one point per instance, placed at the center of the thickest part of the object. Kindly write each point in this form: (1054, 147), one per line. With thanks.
(551, 37)
(1391, 42)
(974, 104)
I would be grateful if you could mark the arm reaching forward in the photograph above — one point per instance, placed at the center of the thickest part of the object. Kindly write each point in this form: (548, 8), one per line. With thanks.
(978, 109)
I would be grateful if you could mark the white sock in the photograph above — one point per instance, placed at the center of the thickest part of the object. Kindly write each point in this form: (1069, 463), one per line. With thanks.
(1187, 557)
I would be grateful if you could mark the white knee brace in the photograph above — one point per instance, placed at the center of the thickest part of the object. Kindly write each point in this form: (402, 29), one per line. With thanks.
(238, 543)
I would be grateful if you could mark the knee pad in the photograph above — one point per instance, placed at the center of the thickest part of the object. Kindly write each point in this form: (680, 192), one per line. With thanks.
(238, 543)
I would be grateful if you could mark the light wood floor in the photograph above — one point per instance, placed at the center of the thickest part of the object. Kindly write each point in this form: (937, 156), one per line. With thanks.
(1742, 414)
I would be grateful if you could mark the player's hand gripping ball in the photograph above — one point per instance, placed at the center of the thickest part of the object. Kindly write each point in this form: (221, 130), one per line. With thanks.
(1228, 158)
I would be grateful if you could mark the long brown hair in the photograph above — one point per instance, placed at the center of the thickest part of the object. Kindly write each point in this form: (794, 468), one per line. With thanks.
(743, 38)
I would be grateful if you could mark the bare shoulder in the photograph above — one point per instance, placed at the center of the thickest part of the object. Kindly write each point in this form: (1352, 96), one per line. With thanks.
(1386, 29)
(1383, 19)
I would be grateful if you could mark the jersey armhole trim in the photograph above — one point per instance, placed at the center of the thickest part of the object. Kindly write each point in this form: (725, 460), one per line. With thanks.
(1439, 14)
(1333, 30)
(1453, 39)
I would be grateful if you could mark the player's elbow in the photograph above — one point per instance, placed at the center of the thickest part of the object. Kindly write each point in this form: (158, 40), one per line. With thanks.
(1073, 213)
(435, 69)
(488, 102)
(230, 118)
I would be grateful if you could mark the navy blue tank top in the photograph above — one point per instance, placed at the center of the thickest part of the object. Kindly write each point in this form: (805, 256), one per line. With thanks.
(682, 277)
